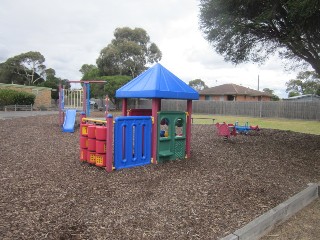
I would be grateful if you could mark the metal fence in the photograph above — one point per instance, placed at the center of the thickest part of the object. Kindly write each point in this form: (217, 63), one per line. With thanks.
(17, 108)
(308, 110)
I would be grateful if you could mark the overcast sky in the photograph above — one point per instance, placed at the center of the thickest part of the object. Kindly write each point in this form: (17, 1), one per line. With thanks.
(70, 33)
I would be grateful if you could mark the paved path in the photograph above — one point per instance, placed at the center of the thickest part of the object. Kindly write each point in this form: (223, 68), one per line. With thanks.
(17, 114)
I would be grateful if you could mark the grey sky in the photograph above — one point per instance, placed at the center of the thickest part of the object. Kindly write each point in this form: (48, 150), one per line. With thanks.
(71, 33)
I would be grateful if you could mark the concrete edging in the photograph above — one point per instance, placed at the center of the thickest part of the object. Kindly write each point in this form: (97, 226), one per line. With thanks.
(266, 222)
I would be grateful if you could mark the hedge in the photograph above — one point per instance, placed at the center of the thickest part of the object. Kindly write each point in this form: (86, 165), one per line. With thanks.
(12, 97)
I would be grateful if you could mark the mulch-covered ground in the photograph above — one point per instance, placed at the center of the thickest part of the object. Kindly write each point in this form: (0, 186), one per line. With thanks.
(47, 193)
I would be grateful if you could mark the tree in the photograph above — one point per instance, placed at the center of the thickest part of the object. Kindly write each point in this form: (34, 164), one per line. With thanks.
(53, 82)
(307, 82)
(87, 68)
(113, 83)
(198, 84)
(50, 74)
(28, 65)
(293, 94)
(250, 30)
(97, 90)
(91, 72)
(271, 92)
(128, 53)
(7, 76)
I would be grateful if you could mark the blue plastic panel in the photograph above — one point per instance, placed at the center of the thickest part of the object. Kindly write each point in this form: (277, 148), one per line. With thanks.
(62, 99)
(132, 141)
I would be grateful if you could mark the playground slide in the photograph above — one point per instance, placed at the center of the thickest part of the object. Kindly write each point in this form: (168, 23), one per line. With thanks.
(69, 120)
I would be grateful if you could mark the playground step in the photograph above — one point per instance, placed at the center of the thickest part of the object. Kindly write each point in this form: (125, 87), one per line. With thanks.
(166, 153)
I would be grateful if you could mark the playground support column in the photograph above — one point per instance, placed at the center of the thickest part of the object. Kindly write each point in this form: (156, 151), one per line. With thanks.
(107, 105)
(156, 105)
(188, 140)
(84, 98)
(87, 100)
(60, 102)
(124, 106)
(109, 152)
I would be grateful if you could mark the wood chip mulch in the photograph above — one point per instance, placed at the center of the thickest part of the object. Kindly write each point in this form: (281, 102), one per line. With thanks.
(47, 193)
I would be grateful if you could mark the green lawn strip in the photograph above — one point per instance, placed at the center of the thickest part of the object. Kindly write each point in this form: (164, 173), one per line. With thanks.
(303, 126)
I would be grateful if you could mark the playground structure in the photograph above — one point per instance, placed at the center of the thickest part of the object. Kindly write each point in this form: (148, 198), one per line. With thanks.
(73, 101)
(228, 130)
(245, 128)
(141, 136)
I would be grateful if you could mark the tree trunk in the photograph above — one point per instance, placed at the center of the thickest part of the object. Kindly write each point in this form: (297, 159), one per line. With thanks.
(316, 66)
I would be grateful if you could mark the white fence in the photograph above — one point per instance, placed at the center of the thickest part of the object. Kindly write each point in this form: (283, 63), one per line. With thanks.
(73, 98)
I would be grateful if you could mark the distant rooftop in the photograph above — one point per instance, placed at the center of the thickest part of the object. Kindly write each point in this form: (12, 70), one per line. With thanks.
(232, 89)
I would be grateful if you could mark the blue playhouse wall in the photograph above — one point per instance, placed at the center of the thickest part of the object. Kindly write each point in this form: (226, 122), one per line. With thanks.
(132, 141)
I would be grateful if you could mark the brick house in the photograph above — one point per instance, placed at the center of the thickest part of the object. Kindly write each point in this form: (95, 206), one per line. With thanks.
(233, 92)
(43, 94)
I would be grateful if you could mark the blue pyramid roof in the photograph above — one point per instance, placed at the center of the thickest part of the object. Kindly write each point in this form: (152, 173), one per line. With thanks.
(157, 82)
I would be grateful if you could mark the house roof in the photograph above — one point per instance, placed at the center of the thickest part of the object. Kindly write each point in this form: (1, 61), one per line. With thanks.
(232, 89)
(157, 82)
(310, 97)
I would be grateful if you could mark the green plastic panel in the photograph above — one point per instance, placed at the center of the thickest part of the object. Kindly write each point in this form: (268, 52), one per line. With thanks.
(171, 135)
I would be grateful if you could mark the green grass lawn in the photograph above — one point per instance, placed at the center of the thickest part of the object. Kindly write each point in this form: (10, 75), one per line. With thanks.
(303, 126)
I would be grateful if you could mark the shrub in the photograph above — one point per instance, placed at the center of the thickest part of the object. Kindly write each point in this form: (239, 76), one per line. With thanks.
(7, 97)
(11, 97)
(24, 98)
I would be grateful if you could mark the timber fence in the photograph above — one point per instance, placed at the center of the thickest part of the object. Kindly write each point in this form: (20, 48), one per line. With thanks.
(307, 110)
